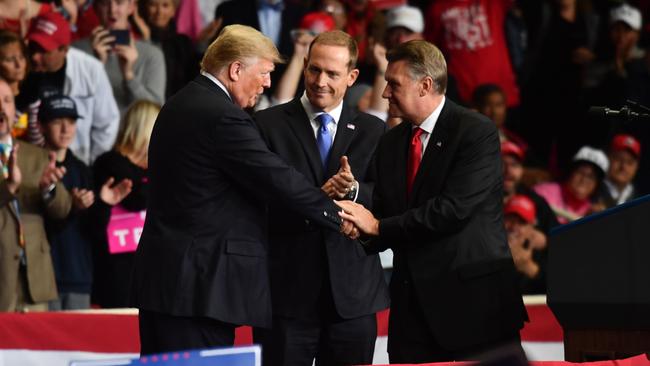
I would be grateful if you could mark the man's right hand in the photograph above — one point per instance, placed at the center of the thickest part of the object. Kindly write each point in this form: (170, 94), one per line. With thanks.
(339, 185)
(15, 176)
(102, 43)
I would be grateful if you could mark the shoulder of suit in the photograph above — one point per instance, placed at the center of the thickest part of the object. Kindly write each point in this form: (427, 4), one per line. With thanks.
(27, 149)
(470, 119)
(369, 120)
(272, 115)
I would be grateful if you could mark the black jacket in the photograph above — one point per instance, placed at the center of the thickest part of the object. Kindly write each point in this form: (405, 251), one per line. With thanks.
(304, 257)
(448, 238)
(203, 252)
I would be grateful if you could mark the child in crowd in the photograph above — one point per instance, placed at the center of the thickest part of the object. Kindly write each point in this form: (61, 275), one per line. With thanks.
(71, 246)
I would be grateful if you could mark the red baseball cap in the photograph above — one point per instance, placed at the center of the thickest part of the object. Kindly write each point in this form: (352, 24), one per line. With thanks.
(626, 142)
(317, 22)
(521, 206)
(510, 148)
(50, 31)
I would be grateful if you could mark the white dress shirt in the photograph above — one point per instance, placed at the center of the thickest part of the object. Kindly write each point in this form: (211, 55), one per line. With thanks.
(216, 81)
(429, 124)
(313, 113)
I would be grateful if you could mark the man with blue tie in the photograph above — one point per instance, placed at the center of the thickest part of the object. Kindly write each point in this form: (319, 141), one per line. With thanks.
(325, 289)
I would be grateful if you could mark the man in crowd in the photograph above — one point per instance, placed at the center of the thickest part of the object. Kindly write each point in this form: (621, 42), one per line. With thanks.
(618, 187)
(30, 190)
(135, 68)
(438, 197)
(527, 244)
(529, 257)
(325, 293)
(201, 266)
(58, 69)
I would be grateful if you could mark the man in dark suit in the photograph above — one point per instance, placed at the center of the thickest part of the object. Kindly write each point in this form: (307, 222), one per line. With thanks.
(438, 197)
(325, 289)
(201, 266)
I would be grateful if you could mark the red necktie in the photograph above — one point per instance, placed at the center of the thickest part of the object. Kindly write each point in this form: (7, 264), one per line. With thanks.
(414, 158)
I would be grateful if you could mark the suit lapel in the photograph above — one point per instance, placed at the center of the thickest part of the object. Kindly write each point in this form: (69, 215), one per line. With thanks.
(435, 146)
(301, 125)
(345, 131)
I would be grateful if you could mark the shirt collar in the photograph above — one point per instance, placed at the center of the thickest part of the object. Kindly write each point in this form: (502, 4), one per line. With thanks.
(216, 81)
(429, 123)
(614, 192)
(312, 112)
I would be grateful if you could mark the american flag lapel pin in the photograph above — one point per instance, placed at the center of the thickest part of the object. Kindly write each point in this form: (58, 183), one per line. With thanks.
(351, 126)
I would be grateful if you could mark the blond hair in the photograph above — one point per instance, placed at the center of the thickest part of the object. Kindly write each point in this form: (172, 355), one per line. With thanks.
(341, 39)
(424, 59)
(238, 43)
(135, 129)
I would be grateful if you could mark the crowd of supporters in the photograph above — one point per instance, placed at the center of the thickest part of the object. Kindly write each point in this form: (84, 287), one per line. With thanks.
(83, 81)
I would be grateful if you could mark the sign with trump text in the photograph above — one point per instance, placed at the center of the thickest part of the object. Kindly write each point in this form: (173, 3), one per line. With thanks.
(124, 230)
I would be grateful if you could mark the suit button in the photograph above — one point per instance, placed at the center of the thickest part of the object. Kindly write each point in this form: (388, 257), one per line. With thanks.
(307, 222)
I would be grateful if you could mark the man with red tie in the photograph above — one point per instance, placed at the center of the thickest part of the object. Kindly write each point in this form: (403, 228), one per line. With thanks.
(438, 205)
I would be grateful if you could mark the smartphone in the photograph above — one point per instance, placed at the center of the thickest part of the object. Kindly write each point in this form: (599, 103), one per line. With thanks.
(122, 36)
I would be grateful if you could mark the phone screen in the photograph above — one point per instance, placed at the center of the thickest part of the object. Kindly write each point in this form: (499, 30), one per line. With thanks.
(122, 36)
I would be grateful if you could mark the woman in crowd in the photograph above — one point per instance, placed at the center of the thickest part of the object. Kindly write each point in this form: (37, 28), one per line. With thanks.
(180, 57)
(127, 160)
(13, 69)
(573, 198)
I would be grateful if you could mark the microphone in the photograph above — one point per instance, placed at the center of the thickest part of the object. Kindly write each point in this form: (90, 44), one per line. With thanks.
(624, 113)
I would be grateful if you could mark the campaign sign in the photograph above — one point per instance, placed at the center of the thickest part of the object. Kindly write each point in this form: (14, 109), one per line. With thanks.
(124, 230)
(235, 356)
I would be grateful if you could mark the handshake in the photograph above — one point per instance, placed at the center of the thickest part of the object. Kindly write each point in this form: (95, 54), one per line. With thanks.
(357, 220)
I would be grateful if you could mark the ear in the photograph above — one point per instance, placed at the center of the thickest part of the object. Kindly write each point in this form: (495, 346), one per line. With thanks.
(352, 77)
(427, 86)
(234, 70)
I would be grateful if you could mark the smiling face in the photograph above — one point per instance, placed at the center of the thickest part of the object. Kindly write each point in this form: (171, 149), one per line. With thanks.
(160, 12)
(252, 79)
(583, 181)
(114, 14)
(328, 75)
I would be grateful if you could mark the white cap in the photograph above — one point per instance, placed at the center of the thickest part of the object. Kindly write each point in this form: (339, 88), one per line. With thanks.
(594, 156)
(628, 15)
(405, 16)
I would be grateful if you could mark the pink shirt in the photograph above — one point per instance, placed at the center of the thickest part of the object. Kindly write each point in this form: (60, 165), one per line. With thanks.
(558, 198)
